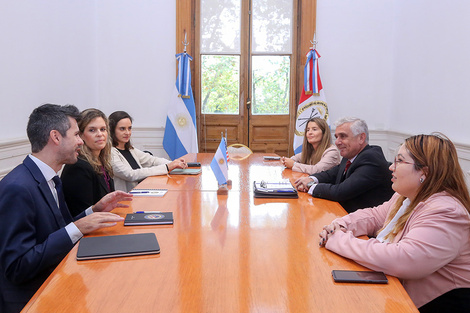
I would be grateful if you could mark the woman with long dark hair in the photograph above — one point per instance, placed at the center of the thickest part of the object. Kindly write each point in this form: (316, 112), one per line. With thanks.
(131, 165)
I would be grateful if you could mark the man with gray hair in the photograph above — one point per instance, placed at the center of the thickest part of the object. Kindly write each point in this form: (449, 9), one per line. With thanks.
(361, 180)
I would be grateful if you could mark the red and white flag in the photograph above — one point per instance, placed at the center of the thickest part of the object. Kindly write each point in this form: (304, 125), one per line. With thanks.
(312, 101)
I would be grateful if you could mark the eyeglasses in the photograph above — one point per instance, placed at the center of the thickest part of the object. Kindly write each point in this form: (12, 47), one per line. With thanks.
(400, 161)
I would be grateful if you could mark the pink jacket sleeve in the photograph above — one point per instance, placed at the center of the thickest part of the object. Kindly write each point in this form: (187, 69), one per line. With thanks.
(433, 236)
(329, 159)
(367, 221)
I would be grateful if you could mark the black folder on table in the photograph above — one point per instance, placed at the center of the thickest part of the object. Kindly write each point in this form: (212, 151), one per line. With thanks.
(117, 246)
(264, 189)
(156, 218)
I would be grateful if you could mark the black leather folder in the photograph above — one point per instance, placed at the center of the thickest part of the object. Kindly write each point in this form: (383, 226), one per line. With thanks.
(117, 246)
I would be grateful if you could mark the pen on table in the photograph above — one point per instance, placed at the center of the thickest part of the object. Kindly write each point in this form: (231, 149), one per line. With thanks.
(148, 212)
(139, 191)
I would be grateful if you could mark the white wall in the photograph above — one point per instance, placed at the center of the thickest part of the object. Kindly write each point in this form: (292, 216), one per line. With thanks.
(46, 55)
(431, 90)
(355, 43)
(136, 58)
(108, 54)
(401, 65)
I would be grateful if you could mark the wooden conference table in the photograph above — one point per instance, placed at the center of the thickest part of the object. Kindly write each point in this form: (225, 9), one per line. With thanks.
(228, 253)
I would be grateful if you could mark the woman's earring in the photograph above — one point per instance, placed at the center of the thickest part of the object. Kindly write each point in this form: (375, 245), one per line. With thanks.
(421, 180)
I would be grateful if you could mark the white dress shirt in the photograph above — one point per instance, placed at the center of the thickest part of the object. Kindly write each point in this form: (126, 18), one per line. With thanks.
(72, 230)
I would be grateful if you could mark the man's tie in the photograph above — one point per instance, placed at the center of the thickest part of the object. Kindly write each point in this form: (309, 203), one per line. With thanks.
(60, 196)
(343, 176)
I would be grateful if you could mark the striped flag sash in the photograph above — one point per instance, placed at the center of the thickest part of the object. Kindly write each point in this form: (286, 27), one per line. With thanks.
(312, 81)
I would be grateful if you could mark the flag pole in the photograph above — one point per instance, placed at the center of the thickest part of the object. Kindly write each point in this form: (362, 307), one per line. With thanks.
(314, 42)
(185, 42)
(229, 181)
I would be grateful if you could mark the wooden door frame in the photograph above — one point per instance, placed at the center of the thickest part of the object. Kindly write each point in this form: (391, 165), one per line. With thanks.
(186, 12)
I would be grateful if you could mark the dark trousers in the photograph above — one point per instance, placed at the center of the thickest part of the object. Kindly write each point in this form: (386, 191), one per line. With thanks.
(455, 301)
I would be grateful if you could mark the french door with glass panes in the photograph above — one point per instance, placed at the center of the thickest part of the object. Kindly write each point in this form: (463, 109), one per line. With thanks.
(244, 68)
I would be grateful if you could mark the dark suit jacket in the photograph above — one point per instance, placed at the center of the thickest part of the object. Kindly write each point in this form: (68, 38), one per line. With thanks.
(83, 187)
(367, 182)
(33, 239)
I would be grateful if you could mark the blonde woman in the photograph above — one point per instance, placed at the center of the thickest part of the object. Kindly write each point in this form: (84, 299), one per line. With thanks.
(318, 154)
(422, 233)
(88, 180)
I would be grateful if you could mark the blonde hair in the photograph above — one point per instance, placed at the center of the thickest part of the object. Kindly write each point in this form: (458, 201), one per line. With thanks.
(104, 158)
(437, 157)
(309, 154)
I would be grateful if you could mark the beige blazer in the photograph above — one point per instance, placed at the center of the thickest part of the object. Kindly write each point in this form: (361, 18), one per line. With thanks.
(126, 178)
(330, 158)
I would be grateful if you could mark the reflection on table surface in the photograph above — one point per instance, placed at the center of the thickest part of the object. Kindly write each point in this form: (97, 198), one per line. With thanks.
(228, 253)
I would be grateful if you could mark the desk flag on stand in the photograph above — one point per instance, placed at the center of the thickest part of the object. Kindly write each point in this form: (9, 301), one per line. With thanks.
(312, 101)
(219, 163)
(180, 135)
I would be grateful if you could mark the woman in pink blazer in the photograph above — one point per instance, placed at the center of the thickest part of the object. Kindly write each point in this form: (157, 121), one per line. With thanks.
(422, 235)
(318, 153)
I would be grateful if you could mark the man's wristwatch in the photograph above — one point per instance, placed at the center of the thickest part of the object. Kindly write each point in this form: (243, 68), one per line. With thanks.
(310, 184)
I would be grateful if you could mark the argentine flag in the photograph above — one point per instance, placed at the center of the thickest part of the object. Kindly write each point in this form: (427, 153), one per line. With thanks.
(219, 163)
(180, 135)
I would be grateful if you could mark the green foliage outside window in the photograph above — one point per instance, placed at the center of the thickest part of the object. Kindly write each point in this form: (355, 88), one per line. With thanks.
(220, 84)
(270, 84)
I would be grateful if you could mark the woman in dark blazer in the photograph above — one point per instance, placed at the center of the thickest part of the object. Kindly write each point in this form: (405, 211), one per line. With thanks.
(88, 180)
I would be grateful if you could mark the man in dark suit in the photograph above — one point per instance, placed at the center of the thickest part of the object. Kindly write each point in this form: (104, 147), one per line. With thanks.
(361, 180)
(36, 229)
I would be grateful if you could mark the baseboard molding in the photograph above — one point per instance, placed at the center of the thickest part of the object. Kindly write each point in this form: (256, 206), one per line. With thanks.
(149, 139)
(390, 142)
(14, 151)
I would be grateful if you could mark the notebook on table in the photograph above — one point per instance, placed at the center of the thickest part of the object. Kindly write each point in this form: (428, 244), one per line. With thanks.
(155, 218)
(282, 189)
(149, 192)
(185, 171)
(117, 246)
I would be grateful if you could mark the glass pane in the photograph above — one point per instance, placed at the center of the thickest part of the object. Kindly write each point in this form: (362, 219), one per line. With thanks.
(272, 26)
(220, 84)
(220, 26)
(270, 84)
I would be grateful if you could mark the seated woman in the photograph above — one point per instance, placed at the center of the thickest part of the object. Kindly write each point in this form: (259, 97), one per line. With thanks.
(88, 180)
(131, 165)
(422, 233)
(318, 154)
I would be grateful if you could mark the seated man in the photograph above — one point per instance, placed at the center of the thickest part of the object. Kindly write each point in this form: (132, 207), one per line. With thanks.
(36, 228)
(361, 180)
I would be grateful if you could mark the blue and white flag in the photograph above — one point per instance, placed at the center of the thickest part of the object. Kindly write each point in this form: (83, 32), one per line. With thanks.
(219, 163)
(312, 101)
(180, 135)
